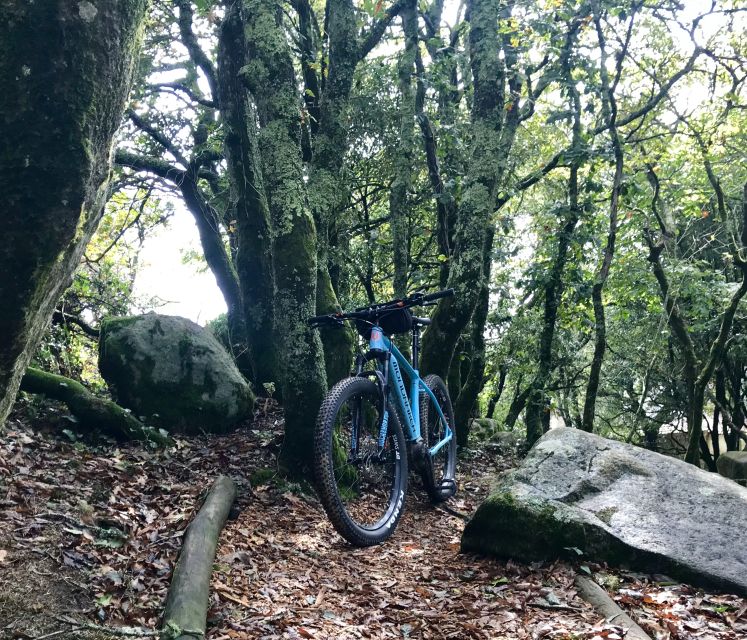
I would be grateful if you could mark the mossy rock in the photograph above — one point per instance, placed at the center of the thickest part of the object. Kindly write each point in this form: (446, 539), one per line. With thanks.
(577, 493)
(173, 373)
(733, 464)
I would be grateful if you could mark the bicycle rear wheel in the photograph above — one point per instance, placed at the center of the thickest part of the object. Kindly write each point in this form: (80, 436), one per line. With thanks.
(360, 466)
(439, 475)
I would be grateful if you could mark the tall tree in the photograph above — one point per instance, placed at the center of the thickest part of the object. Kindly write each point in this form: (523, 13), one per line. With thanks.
(609, 112)
(70, 66)
(485, 167)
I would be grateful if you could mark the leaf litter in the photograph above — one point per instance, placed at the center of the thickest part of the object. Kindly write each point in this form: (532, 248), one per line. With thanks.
(106, 524)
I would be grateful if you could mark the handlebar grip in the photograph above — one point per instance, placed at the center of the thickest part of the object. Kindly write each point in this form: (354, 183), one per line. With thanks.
(315, 320)
(446, 293)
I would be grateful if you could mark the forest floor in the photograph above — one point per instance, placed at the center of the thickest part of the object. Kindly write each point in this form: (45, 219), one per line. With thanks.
(89, 532)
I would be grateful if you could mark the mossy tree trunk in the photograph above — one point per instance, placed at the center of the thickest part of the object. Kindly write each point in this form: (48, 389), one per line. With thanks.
(93, 413)
(443, 168)
(399, 203)
(249, 205)
(475, 378)
(66, 68)
(269, 75)
(496, 80)
(327, 97)
(285, 224)
(327, 101)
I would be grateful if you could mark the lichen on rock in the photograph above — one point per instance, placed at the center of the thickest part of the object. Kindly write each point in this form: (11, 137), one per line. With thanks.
(617, 503)
(173, 373)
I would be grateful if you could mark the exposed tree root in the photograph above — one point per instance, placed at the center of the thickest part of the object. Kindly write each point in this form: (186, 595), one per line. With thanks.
(91, 411)
(601, 601)
(187, 602)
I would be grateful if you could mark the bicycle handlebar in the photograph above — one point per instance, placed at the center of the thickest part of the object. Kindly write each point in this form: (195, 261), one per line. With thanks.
(364, 313)
(445, 293)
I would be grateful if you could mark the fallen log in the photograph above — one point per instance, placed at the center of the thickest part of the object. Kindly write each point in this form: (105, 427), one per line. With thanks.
(187, 602)
(91, 411)
(606, 606)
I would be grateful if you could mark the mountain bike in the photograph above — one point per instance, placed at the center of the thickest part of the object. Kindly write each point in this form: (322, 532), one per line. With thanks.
(361, 452)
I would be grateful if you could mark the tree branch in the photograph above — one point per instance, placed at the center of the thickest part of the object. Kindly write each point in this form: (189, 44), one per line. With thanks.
(178, 86)
(189, 39)
(371, 39)
(159, 137)
(151, 164)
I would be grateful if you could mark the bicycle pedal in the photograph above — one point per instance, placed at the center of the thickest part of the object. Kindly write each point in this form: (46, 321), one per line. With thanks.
(448, 486)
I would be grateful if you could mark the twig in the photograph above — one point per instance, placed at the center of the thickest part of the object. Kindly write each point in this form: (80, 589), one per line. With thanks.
(551, 607)
(126, 632)
(57, 633)
(454, 512)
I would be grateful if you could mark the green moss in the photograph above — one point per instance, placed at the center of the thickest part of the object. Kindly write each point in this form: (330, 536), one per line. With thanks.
(605, 515)
(258, 477)
(507, 527)
(169, 392)
(70, 79)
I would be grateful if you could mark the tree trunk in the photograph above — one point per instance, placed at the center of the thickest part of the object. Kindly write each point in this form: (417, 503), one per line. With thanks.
(609, 108)
(399, 205)
(475, 378)
(270, 77)
(537, 400)
(517, 406)
(254, 232)
(185, 616)
(486, 166)
(328, 192)
(537, 403)
(498, 391)
(93, 413)
(67, 68)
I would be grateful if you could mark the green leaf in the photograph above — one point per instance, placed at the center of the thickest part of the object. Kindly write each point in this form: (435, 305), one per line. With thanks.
(105, 600)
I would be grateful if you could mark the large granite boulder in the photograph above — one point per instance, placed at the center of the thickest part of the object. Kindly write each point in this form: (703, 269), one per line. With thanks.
(172, 373)
(733, 465)
(617, 503)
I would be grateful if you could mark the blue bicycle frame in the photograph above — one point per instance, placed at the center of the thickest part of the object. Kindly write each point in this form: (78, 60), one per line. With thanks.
(410, 406)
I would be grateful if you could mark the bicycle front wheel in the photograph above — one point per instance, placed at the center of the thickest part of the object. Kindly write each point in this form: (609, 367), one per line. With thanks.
(360, 464)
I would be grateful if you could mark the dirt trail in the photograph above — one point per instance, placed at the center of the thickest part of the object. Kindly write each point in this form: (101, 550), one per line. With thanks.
(306, 582)
(91, 531)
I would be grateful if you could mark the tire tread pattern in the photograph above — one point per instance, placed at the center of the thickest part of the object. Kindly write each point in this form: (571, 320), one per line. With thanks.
(323, 457)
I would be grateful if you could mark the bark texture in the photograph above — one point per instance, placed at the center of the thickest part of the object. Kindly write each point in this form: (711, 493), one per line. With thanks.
(270, 77)
(92, 412)
(67, 67)
(248, 201)
(187, 603)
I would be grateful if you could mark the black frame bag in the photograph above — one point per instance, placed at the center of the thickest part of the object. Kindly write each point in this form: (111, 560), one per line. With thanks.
(392, 322)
